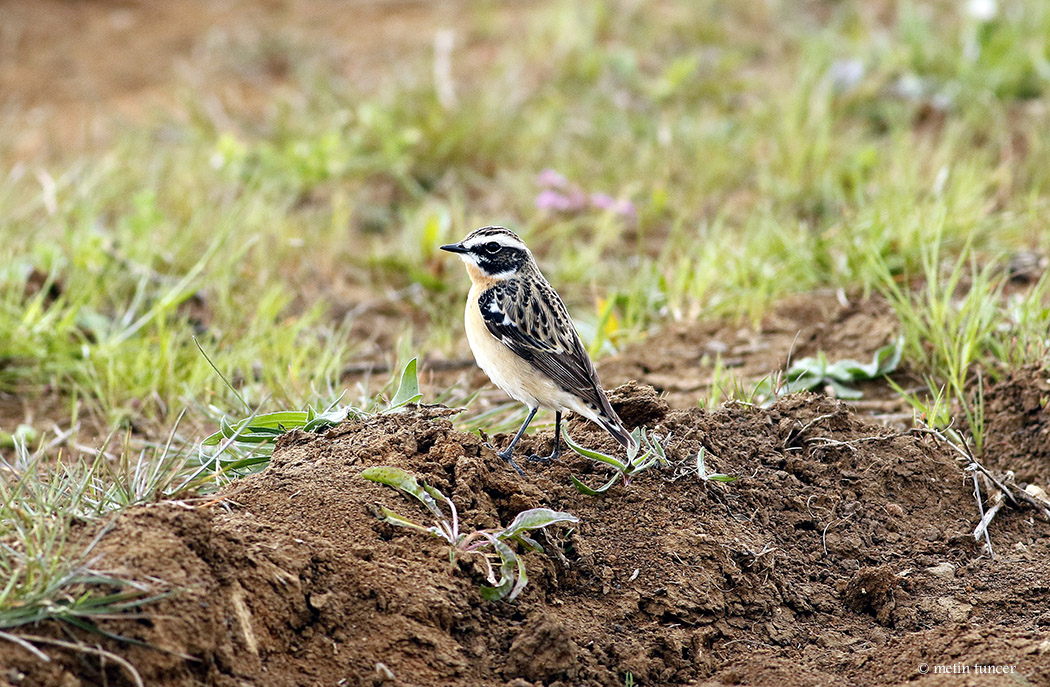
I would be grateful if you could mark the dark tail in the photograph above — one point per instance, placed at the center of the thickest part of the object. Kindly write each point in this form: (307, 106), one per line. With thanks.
(614, 426)
(608, 418)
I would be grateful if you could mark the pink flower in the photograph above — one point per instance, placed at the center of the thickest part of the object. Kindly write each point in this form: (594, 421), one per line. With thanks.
(549, 178)
(559, 195)
(603, 201)
(552, 200)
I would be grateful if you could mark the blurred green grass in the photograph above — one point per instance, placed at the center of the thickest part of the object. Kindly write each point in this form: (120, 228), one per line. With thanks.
(715, 156)
(764, 149)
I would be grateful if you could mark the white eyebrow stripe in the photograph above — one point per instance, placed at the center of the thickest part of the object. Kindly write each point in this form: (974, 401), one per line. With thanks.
(502, 239)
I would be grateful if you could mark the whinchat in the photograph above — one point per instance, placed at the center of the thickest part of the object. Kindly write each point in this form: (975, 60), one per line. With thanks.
(523, 338)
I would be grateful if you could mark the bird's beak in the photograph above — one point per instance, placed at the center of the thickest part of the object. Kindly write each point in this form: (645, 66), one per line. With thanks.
(454, 248)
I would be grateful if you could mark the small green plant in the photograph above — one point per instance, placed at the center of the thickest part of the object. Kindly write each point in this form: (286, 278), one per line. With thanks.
(643, 455)
(407, 388)
(246, 445)
(704, 475)
(242, 446)
(812, 373)
(489, 545)
(956, 325)
(728, 387)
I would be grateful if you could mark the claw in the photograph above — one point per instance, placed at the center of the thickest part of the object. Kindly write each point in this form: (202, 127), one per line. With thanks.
(508, 456)
(545, 460)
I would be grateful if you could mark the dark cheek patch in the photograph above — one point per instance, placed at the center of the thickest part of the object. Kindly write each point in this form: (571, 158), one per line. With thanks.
(504, 261)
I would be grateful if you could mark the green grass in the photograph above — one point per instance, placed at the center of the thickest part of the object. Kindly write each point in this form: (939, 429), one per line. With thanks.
(52, 574)
(292, 244)
(46, 575)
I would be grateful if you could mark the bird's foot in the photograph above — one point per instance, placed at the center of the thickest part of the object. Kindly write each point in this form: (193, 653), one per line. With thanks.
(509, 457)
(545, 460)
(506, 454)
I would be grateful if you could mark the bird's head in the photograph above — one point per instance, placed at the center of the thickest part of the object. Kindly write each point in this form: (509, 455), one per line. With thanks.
(492, 253)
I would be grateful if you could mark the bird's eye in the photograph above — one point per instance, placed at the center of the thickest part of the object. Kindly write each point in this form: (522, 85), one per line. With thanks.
(492, 247)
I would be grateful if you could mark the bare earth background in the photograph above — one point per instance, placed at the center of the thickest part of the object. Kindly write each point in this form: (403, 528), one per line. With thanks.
(77, 68)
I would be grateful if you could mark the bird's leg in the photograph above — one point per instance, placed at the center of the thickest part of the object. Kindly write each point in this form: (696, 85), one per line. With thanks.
(507, 453)
(557, 444)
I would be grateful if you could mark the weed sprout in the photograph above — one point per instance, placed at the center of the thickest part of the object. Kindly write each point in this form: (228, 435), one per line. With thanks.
(704, 475)
(244, 446)
(645, 453)
(488, 545)
(811, 373)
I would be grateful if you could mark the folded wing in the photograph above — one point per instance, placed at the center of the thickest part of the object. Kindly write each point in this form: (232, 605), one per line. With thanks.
(531, 319)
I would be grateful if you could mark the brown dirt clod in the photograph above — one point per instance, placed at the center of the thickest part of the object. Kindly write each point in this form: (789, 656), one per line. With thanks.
(1017, 418)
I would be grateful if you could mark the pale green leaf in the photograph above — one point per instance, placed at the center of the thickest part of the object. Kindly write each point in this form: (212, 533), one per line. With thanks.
(393, 518)
(506, 571)
(584, 489)
(593, 455)
(534, 519)
(399, 479)
(407, 389)
(523, 578)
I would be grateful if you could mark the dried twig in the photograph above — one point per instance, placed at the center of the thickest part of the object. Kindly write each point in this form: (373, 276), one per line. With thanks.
(976, 467)
(796, 432)
(984, 517)
(25, 645)
(851, 443)
(982, 526)
(804, 428)
(1011, 492)
(87, 649)
(824, 534)
(1028, 497)
(1035, 502)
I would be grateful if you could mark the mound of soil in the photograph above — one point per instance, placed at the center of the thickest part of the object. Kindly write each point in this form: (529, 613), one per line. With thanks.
(842, 552)
(1017, 426)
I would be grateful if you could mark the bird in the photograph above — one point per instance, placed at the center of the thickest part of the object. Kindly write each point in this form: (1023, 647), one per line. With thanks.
(523, 338)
